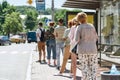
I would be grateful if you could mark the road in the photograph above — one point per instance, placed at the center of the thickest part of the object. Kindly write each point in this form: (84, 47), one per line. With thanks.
(14, 61)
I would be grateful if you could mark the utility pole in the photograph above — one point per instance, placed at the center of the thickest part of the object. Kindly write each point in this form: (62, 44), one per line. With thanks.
(52, 8)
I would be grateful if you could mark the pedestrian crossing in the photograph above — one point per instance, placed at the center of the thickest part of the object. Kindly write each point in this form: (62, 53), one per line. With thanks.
(14, 52)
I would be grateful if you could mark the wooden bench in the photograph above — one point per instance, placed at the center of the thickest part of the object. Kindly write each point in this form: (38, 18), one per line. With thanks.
(105, 49)
(108, 49)
(115, 54)
(108, 52)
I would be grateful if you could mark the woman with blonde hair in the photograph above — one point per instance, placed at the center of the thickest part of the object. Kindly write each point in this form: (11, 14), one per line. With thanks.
(86, 37)
(72, 44)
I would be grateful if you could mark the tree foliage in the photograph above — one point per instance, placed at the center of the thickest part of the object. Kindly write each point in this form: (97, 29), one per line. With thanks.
(10, 21)
(47, 11)
(31, 19)
(60, 13)
(13, 23)
(23, 9)
(3, 12)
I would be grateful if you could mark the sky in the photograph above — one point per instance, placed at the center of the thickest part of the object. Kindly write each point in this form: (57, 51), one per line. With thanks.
(58, 3)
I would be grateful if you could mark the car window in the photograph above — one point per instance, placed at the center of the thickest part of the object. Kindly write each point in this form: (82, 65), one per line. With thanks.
(5, 38)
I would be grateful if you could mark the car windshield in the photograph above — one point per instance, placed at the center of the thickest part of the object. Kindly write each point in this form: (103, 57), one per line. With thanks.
(16, 36)
(4, 37)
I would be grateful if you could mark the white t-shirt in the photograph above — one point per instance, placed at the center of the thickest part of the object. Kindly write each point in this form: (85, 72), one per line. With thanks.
(38, 31)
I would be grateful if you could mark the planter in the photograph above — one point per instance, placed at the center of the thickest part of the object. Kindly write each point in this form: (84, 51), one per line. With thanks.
(108, 76)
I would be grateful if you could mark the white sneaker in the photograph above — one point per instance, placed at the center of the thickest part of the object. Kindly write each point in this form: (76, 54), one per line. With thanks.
(59, 74)
(73, 79)
(71, 74)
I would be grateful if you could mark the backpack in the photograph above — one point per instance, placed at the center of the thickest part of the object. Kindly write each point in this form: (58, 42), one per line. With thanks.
(49, 34)
(42, 38)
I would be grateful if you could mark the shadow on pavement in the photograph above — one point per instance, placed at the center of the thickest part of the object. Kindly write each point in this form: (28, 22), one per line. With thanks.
(67, 76)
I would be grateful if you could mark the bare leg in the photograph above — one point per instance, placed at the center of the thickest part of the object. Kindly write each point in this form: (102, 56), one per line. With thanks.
(65, 58)
(54, 62)
(74, 59)
(48, 61)
(44, 55)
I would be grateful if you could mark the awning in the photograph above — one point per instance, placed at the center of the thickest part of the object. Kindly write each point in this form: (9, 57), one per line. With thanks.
(83, 4)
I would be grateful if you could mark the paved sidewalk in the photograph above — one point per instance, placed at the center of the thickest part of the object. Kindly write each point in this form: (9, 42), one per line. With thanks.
(45, 72)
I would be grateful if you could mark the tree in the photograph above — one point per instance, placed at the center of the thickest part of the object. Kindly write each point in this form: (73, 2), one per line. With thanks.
(31, 19)
(5, 9)
(2, 14)
(47, 11)
(24, 9)
(59, 13)
(13, 23)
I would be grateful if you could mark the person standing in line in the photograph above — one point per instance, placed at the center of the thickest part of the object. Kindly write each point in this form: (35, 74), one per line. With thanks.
(86, 49)
(72, 44)
(51, 43)
(59, 31)
(66, 47)
(41, 42)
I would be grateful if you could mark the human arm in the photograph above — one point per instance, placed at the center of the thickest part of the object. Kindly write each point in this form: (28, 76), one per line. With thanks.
(55, 32)
(77, 34)
(65, 35)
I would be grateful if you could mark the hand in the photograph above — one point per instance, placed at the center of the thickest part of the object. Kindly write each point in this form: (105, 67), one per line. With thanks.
(64, 39)
(56, 35)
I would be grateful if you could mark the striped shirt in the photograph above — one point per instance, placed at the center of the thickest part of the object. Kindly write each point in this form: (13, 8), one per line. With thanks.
(59, 32)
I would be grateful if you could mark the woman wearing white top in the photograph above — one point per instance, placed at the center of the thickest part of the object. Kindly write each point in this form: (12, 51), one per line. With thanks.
(72, 44)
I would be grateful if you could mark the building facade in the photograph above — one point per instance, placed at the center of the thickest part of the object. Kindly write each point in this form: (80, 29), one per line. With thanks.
(109, 22)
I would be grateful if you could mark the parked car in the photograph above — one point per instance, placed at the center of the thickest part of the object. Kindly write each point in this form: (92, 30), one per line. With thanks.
(31, 37)
(4, 40)
(17, 39)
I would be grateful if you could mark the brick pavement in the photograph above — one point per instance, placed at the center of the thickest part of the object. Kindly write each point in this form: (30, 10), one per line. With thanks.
(45, 72)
